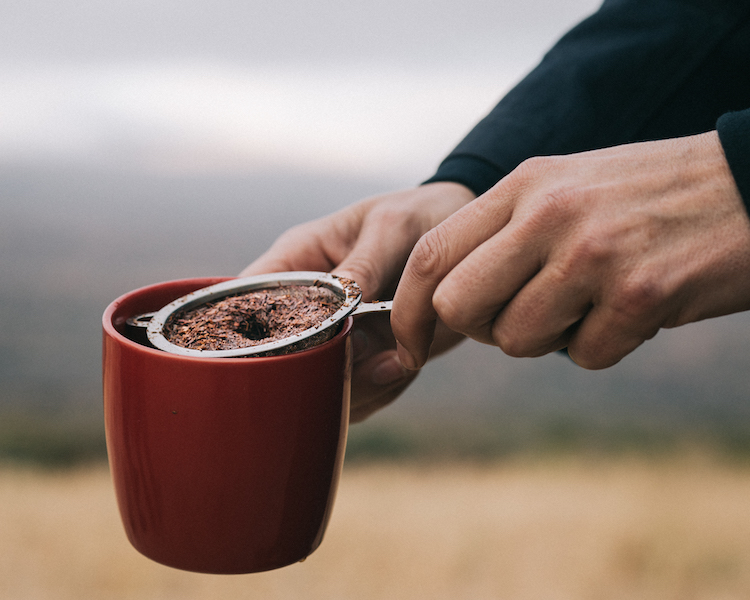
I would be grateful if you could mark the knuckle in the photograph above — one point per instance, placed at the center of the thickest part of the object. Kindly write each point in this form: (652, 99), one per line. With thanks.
(636, 297)
(589, 251)
(590, 359)
(428, 259)
(592, 352)
(534, 167)
(535, 171)
(511, 345)
(510, 341)
(601, 352)
(558, 204)
(552, 210)
(450, 310)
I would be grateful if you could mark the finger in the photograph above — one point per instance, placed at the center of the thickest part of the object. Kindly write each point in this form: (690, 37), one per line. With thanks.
(379, 254)
(437, 253)
(376, 382)
(541, 316)
(267, 264)
(317, 245)
(604, 338)
(371, 335)
(380, 379)
(470, 297)
(294, 251)
(378, 376)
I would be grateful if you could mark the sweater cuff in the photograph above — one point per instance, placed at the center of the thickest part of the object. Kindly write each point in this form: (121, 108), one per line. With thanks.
(475, 173)
(734, 134)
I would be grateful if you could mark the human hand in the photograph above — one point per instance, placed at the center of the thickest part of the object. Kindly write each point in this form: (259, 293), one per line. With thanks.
(369, 242)
(594, 252)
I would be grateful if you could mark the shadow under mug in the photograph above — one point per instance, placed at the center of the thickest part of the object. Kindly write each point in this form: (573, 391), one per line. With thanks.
(222, 465)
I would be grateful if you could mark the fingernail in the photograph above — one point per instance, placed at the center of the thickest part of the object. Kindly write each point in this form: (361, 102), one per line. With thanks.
(407, 360)
(389, 371)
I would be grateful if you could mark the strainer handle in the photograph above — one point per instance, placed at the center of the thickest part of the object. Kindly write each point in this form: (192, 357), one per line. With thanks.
(370, 307)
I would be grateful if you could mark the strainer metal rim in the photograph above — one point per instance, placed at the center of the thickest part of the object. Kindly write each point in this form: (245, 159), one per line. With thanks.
(344, 288)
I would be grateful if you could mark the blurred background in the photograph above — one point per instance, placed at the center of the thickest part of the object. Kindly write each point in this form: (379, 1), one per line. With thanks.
(142, 141)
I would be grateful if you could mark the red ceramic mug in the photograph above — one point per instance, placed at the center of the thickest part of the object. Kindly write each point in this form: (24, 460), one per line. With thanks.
(222, 465)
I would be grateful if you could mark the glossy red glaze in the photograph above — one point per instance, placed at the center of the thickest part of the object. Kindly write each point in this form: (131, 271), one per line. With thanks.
(222, 465)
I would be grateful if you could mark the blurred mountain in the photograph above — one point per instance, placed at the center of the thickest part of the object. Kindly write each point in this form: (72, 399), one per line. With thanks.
(72, 240)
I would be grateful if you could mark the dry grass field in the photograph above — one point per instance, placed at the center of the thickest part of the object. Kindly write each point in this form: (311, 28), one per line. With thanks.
(569, 529)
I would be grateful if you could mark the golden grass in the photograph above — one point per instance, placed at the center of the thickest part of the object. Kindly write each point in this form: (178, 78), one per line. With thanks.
(576, 529)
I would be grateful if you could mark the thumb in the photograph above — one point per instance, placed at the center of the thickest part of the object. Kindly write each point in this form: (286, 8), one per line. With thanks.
(377, 259)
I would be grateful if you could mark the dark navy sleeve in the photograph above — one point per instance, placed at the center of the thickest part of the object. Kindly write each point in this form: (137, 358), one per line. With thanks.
(635, 70)
(734, 133)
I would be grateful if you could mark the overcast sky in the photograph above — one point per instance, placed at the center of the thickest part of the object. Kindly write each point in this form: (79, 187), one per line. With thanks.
(370, 88)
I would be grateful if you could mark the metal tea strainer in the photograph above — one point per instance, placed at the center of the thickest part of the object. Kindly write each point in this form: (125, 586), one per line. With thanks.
(345, 289)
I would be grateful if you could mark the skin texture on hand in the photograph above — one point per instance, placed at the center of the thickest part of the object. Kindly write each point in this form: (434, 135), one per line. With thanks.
(370, 243)
(594, 252)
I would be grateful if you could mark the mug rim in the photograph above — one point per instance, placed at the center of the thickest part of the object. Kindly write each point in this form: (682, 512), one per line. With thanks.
(110, 329)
